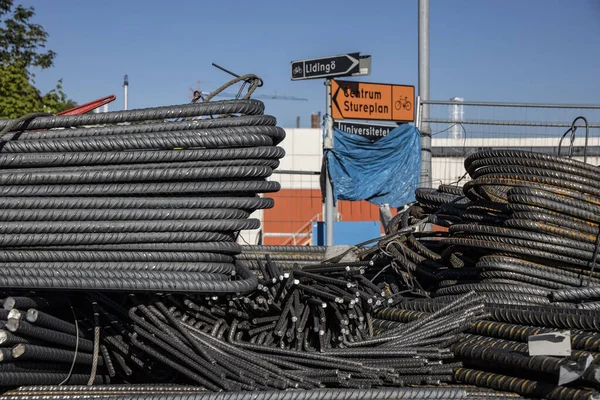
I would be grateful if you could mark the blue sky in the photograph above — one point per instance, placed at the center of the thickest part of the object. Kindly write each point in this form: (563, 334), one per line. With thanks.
(502, 50)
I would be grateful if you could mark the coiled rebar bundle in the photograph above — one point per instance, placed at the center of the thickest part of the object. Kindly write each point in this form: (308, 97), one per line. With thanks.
(140, 200)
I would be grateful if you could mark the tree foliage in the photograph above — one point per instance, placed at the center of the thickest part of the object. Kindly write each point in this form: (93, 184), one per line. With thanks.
(56, 100)
(22, 40)
(17, 94)
(23, 47)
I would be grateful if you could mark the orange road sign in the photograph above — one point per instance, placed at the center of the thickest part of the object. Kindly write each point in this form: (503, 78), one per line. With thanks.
(372, 101)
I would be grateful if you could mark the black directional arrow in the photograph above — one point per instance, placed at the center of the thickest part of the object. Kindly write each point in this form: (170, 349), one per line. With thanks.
(343, 87)
(334, 99)
(341, 65)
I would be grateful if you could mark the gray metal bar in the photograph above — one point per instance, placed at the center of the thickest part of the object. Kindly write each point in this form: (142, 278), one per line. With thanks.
(418, 117)
(461, 152)
(507, 123)
(225, 70)
(426, 176)
(126, 93)
(529, 105)
(286, 234)
(293, 172)
(328, 144)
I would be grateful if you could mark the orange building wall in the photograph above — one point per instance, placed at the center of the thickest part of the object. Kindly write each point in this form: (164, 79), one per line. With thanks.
(295, 208)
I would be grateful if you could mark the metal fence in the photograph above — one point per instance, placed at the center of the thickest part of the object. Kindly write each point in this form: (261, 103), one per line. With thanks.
(459, 128)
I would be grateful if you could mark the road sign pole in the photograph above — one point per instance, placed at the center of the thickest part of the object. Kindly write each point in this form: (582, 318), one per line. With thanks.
(327, 67)
(328, 144)
(426, 174)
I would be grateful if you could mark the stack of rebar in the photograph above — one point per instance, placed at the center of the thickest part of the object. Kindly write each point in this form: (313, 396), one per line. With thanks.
(495, 354)
(139, 200)
(39, 348)
(307, 329)
(523, 233)
(284, 256)
(134, 215)
(302, 338)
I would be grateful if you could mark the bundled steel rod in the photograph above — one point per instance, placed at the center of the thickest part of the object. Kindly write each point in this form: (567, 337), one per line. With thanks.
(158, 194)
(302, 329)
(525, 387)
(524, 233)
(283, 256)
(151, 210)
(523, 230)
(41, 348)
(323, 394)
(307, 328)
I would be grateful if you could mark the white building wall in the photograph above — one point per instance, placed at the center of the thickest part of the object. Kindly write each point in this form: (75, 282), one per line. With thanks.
(303, 152)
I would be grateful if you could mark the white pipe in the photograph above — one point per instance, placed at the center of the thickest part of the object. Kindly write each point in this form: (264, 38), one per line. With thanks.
(125, 92)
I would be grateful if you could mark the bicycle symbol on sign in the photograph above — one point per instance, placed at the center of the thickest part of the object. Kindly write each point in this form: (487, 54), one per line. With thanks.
(404, 102)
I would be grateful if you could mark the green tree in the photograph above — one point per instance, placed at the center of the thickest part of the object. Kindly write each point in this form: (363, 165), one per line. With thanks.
(23, 47)
(56, 100)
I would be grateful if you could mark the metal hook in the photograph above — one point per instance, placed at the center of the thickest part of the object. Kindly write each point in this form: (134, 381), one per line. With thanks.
(572, 130)
(587, 134)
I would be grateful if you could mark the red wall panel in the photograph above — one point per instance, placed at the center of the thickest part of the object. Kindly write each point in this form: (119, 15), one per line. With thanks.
(294, 209)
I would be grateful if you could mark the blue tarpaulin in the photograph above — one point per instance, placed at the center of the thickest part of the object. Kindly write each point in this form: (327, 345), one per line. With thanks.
(381, 171)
